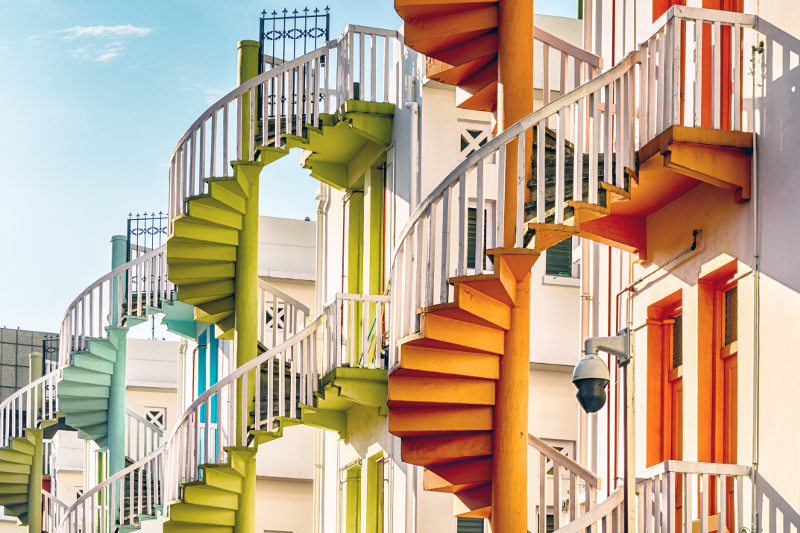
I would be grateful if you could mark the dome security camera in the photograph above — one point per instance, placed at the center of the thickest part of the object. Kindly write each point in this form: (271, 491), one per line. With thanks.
(591, 373)
(591, 377)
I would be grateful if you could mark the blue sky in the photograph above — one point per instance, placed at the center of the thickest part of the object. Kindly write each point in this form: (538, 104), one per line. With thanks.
(93, 96)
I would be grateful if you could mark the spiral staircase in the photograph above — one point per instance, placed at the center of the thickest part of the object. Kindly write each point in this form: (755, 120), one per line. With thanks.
(449, 320)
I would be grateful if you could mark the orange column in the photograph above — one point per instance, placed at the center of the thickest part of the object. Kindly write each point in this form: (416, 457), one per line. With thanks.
(509, 439)
(514, 95)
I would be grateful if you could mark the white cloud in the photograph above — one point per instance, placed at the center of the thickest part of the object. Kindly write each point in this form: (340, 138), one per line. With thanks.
(209, 95)
(98, 43)
(100, 32)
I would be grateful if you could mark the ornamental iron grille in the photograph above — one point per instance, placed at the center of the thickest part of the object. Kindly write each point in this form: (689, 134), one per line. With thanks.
(146, 232)
(286, 35)
(49, 353)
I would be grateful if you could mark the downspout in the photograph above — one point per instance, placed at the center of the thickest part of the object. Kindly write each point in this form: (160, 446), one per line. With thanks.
(756, 283)
(585, 303)
(319, 435)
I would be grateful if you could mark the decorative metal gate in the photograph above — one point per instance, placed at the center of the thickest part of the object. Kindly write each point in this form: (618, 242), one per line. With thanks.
(286, 35)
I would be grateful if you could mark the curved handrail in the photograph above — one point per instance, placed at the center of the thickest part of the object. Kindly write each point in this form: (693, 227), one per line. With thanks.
(27, 407)
(108, 497)
(104, 301)
(212, 423)
(53, 511)
(599, 513)
(272, 289)
(512, 132)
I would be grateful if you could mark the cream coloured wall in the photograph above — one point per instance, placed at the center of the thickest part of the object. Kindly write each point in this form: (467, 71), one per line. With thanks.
(283, 506)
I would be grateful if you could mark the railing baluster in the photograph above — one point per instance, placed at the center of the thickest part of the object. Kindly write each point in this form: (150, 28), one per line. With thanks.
(444, 263)
(479, 223)
(736, 35)
(540, 172)
(716, 73)
(461, 266)
(560, 163)
(698, 73)
(520, 191)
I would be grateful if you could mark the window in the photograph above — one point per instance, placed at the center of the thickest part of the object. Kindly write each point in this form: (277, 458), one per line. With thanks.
(469, 525)
(677, 342)
(731, 316)
(472, 135)
(472, 231)
(276, 318)
(558, 259)
(156, 416)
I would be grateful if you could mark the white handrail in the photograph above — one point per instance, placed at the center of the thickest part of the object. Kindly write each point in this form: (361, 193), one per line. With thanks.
(120, 499)
(598, 122)
(53, 511)
(357, 327)
(142, 437)
(608, 513)
(28, 407)
(142, 281)
(287, 315)
(282, 101)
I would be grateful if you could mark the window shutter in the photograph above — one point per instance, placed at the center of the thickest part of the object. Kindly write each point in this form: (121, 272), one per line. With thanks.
(469, 525)
(558, 259)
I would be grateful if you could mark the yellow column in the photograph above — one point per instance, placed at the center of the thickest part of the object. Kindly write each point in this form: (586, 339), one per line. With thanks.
(509, 444)
(514, 94)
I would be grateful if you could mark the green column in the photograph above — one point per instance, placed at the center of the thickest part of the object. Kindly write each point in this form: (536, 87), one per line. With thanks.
(355, 258)
(117, 336)
(248, 69)
(375, 205)
(246, 293)
(35, 480)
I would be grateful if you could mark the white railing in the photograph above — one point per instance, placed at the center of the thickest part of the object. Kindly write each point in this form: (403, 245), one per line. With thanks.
(28, 407)
(358, 327)
(676, 496)
(578, 482)
(608, 516)
(214, 422)
(283, 101)
(120, 499)
(53, 511)
(48, 458)
(281, 315)
(142, 437)
(125, 291)
(598, 117)
(554, 62)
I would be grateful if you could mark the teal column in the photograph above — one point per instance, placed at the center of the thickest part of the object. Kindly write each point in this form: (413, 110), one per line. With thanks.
(35, 480)
(117, 336)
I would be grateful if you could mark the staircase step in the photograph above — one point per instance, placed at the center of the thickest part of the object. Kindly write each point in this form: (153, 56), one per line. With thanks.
(93, 432)
(206, 207)
(190, 272)
(87, 418)
(418, 391)
(210, 496)
(201, 514)
(501, 285)
(182, 249)
(82, 390)
(438, 449)
(88, 377)
(90, 361)
(226, 196)
(13, 478)
(423, 361)
(215, 310)
(236, 184)
(103, 348)
(68, 404)
(458, 476)
(8, 499)
(443, 332)
(172, 526)
(20, 510)
(188, 227)
(415, 421)
(22, 445)
(198, 293)
(14, 468)
(13, 456)
(475, 502)
(220, 479)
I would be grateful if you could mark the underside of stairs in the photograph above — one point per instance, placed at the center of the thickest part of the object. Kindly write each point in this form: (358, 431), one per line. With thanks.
(442, 395)
(15, 469)
(84, 391)
(459, 38)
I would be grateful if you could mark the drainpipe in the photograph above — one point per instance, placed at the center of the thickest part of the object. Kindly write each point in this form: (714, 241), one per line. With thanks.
(586, 298)
(756, 282)
(319, 436)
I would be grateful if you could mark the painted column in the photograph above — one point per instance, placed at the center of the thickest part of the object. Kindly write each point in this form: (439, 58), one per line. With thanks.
(35, 480)
(246, 294)
(116, 399)
(248, 69)
(514, 101)
(514, 95)
(510, 435)
(355, 259)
